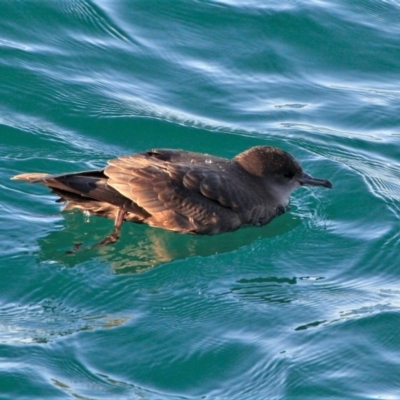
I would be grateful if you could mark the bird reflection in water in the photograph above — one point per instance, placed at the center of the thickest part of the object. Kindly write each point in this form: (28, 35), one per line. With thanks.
(142, 247)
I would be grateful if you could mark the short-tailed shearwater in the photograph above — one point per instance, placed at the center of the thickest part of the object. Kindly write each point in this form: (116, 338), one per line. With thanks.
(184, 191)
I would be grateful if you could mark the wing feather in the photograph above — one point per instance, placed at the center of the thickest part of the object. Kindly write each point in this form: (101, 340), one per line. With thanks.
(194, 195)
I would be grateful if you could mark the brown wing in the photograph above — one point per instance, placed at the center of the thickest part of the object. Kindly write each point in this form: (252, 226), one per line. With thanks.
(193, 197)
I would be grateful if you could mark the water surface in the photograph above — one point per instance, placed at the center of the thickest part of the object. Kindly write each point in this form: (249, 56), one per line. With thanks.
(306, 307)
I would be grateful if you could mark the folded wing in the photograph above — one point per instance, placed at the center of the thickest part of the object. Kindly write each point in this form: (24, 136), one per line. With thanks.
(195, 195)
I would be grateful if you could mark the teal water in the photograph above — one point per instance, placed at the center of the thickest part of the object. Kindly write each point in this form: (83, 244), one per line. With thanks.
(307, 307)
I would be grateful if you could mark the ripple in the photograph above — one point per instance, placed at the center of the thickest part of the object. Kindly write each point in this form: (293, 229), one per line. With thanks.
(105, 386)
(350, 315)
(255, 5)
(47, 321)
(385, 12)
(95, 19)
(61, 138)
(268, 290)
(306, 305)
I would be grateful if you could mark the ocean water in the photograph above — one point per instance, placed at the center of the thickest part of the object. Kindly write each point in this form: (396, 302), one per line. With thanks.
(307, 307)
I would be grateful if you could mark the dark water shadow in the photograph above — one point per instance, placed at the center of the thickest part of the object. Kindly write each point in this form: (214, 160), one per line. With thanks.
(142, 247)
(262, 290)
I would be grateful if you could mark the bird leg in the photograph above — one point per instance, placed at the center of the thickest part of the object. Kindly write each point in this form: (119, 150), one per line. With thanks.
(114, 236)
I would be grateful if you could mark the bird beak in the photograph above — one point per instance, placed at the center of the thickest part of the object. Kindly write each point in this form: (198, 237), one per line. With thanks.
(307, 180)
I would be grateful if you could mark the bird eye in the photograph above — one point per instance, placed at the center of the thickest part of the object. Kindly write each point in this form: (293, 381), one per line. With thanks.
(288, 175)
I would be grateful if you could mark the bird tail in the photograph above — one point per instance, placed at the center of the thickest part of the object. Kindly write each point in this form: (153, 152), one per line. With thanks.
(32, 177)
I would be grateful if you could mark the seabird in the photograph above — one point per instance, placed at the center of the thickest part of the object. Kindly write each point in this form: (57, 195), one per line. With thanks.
(184, 191)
